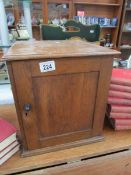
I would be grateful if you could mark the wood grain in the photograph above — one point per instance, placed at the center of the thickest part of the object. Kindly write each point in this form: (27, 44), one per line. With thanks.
(23, 95)
(67, 104)
(114, 141)
(55, 49)
(118, 163)
(74, 90)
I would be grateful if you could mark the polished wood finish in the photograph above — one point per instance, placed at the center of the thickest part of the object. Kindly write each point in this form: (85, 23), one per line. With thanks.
(74, 158)
(32, 49)
(67, 104)
(111, 164)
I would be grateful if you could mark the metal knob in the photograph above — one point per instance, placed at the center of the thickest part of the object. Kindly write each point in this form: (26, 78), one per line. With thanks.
(27, 107)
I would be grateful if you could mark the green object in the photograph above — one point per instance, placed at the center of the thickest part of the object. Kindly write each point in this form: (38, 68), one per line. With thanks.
(89, 33)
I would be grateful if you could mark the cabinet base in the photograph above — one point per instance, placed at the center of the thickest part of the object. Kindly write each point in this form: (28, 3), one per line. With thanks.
(26, 153)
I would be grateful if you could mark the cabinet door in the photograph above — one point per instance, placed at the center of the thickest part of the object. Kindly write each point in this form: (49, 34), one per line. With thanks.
(66, 104)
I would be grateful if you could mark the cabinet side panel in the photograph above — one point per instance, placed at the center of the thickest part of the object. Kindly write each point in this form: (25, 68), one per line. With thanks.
(102, 94)
(23, 87)
(13, 88)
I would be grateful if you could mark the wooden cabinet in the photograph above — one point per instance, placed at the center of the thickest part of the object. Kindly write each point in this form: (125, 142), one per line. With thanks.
(60, 90)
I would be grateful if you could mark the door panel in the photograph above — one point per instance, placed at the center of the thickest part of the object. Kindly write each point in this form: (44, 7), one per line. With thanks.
(65, 104)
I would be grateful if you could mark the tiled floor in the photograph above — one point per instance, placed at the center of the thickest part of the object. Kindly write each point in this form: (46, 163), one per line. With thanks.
(6, 96)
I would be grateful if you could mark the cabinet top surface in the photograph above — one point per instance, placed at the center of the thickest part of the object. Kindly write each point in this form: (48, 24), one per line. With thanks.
(23, 50)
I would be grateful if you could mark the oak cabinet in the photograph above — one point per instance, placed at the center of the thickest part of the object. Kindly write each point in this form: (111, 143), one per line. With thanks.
(60, 90)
